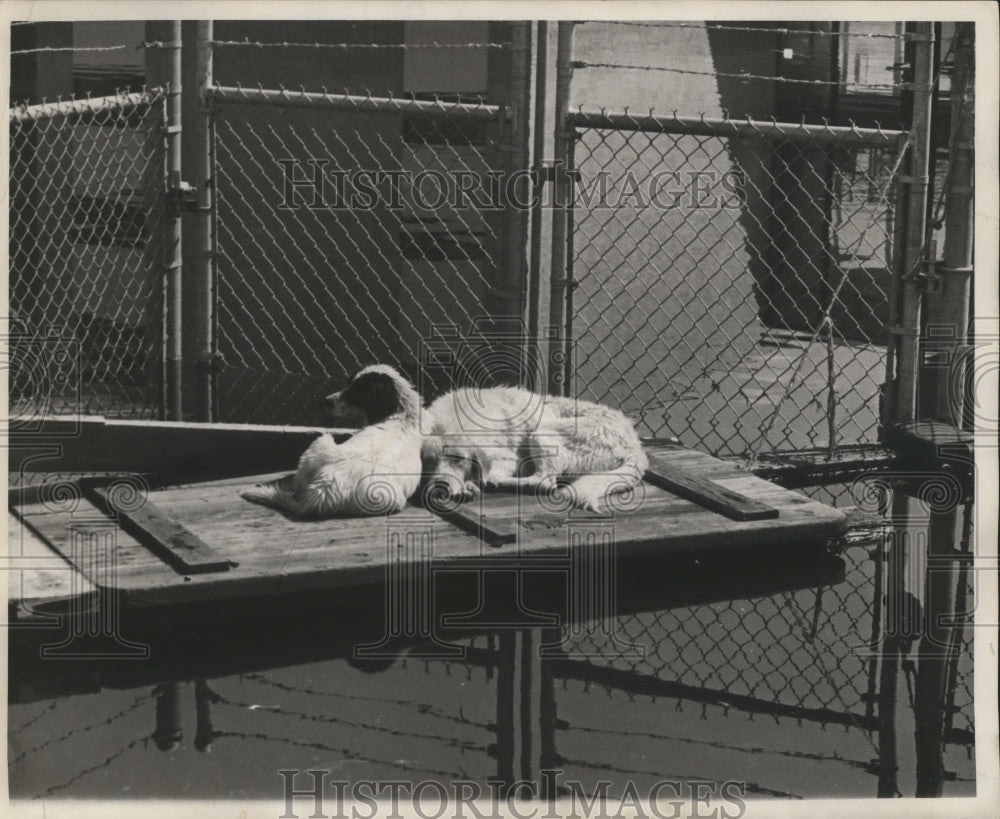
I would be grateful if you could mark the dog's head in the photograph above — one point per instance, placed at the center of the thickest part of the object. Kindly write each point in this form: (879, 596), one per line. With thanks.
(374, 394)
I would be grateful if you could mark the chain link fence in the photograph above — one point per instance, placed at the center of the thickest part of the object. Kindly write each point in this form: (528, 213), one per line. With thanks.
(800, 653)
(86, 256)
(345, 239)
(731, 279)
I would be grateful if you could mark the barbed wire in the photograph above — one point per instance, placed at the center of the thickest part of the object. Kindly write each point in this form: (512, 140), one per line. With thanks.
(45, 49)
(77, 730)
(403, 46)
(106, 762)
(739, 75)
(260, 44)
(138, 47)
(720, 27)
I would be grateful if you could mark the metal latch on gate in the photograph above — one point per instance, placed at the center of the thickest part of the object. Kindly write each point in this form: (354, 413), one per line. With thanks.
(181, 197)
(928, 279)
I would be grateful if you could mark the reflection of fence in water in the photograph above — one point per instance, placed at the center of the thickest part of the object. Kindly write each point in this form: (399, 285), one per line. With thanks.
(795, 651)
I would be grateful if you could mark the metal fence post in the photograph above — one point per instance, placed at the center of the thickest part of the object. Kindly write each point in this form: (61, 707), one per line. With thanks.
(203, 174)
(904, 337)
(562, 202)
(535, 353)
(516, 159)
(956, 272)
(509, 72)
(916, 226)
(940, 644)
(166, 38)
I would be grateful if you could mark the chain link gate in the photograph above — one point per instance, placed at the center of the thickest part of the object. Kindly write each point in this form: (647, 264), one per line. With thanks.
(344, 239)
(728, 282)
(87, 216)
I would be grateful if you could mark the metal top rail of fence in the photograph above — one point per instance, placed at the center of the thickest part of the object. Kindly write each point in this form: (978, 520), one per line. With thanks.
(744, 75)
(346, 101)
(61, 107)
(713, 126)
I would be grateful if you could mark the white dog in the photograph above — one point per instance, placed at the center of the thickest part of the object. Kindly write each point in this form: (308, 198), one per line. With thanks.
(372, 473)
(507, 437)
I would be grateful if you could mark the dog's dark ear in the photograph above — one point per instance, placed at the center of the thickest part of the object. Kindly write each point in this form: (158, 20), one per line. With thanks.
(374, 394)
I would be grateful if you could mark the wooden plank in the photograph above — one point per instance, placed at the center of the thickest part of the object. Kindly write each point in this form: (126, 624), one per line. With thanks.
(40, 581)
(161, 534)
(96, 444)
(276, 556)
(280, 556)
(469, 518)
(668, 475)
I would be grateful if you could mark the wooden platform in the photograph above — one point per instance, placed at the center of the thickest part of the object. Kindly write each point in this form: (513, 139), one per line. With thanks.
(214, 546)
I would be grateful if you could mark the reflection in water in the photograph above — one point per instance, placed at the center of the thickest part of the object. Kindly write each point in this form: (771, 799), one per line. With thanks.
(777, 688)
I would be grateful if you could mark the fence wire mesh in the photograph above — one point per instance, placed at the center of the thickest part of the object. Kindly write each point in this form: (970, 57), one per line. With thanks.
(729, 279)
(810, 654)
(86, 256)
(341, 241)
(959, 700)
(803, 651)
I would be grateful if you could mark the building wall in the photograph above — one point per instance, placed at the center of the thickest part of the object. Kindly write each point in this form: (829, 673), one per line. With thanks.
(309, 295)
(303, 292)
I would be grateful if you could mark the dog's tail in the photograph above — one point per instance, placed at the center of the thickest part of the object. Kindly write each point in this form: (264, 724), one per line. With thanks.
(592, 491)
(275, 495)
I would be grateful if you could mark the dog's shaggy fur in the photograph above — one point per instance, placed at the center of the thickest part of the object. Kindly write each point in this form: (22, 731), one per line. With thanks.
(507, 437)
(374, 472)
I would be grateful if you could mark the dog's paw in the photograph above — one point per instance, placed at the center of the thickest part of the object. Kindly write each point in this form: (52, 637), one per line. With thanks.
(470, 490)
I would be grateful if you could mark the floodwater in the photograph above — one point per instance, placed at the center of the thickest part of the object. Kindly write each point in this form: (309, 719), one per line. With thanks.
(754, 674)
